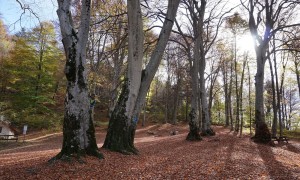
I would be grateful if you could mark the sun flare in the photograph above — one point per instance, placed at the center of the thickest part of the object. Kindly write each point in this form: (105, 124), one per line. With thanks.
(245, 43)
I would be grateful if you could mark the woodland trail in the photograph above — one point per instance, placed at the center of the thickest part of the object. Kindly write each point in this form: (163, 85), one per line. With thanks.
(162, 156)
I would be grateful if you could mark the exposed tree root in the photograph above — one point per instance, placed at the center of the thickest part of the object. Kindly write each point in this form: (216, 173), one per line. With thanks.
(208, 132)
(66, 157)
(262, 134)
(193, 136)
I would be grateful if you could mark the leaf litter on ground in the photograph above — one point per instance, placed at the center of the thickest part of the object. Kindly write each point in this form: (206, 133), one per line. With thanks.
(162, 156)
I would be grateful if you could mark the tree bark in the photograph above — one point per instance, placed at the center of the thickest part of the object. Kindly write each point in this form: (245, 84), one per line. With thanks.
(167, 91)
(274, 124)
(176, 99)
(78, 129)
(237, 116)
(122, 124)
(194, 133)
(280, 93)
(199, 46)
(262, 133)
(229, 97)
(225, 81)
(157, 53)
(249, 95)
(211, 88)
(297, 74)
(121, 128)
(241, 97)
(264, 15)
(120, 133)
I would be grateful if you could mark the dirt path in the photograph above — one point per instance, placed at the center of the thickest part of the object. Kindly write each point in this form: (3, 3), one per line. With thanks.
(224, 156)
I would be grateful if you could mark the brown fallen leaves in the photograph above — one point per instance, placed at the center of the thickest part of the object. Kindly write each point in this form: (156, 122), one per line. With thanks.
(162, 156)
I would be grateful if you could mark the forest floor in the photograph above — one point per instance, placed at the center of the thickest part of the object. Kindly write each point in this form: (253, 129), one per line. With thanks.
(162, 156)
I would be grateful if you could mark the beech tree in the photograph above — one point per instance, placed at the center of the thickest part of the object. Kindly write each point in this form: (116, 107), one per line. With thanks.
(186, 44)
(236, 25)
(205, 18)
(293, 44)
(122, 124)
(5, 47)
(78, 129)
(47, 56)
(265, 20)
(226, 69)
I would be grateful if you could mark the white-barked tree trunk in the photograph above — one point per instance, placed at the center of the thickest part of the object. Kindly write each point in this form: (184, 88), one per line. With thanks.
(122, 124)
(78, 129)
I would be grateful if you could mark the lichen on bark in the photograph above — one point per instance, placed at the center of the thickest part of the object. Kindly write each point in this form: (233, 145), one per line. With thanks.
(262, 132)
(194, 134)
(120, 134)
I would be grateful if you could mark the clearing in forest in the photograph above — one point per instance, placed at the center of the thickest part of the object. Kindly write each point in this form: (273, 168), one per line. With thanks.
(162, 156)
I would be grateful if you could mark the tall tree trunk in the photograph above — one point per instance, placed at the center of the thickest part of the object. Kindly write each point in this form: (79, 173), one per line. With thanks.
(274, 124)
(121, 128)
(225, 81)
(241, 96)
(280, 92)
(249, 95)
(274, 89)
(229, 97)
(290, 110)
(186, 104)
(122, 124)
(199, 46)
(262, 133)
(157, 53)
(212, 84)
(297, 74)
(78, 129)
(166, 104)
(194, 133)
(167, 90)
(237, 116)
(286, 113)
(176, 99)
(120, 131)
(263, 16)
(278, 89)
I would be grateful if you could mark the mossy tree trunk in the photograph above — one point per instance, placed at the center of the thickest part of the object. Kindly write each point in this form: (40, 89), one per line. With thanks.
(120, 134)
(297, 72)
(262, 133)
(206, 121)
(194, 133)
(197, 12)
(78, 129)
(122, 125)
(200, 53)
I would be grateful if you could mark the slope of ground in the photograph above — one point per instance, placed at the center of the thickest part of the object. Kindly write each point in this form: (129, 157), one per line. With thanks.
(162, 156)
